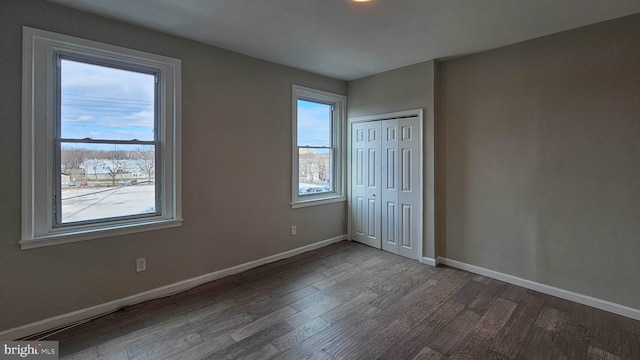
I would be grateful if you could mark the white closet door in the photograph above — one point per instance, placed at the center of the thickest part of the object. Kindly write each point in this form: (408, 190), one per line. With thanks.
(365, 207)
(409, 189)
(389, 202)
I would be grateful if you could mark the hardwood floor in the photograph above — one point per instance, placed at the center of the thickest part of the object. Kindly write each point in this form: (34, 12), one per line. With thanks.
(350, 301)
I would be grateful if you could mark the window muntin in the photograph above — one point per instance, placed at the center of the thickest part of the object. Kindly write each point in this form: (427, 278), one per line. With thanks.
(68, 127)
(318, 119)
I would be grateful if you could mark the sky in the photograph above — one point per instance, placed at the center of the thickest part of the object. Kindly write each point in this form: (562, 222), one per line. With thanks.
(314, 124)
(99, 102)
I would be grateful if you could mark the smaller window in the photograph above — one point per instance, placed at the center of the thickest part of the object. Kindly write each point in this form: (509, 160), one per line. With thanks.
(318, 120)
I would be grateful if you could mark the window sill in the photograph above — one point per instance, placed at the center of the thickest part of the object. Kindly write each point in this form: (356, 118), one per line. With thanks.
(75, 235)
(317, 201)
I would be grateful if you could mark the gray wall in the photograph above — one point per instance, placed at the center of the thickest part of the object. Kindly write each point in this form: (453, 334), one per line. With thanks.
(236, 124)
(406, 88)
(543, 159)
(537, 164)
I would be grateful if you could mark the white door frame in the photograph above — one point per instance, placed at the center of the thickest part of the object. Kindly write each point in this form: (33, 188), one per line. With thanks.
(389, 116)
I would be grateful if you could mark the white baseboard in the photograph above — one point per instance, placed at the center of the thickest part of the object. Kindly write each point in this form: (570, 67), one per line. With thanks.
(546, 289)
(94, 311)
(429, 261)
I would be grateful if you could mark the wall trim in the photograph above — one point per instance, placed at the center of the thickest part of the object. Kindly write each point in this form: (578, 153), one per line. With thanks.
(105, 308)
(546, 289)
(429, 261)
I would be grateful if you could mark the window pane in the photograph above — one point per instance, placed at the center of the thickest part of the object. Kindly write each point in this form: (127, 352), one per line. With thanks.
(103, 181)
(314, 124)
(315, 171)
(100, 102)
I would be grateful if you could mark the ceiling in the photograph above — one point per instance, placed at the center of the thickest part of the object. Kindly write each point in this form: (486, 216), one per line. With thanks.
(349, 40)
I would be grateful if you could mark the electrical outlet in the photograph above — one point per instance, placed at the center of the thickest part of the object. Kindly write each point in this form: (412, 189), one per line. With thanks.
(294, 230)
(141, 264)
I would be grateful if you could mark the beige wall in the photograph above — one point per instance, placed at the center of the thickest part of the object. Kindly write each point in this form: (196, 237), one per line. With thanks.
(236, 119)
(543, 159)
(406, 88)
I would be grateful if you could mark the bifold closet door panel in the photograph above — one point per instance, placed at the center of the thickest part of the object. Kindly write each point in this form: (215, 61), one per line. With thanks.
(409, 188)
(389, 191)
(365, 209)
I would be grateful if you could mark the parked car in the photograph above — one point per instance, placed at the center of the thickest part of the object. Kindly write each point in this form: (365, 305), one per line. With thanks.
(83, 183)
(134, 182)
(122, 183)
(72, 183)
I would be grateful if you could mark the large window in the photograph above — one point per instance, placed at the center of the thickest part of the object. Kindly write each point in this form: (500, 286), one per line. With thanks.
(318, 120)
(100, 140)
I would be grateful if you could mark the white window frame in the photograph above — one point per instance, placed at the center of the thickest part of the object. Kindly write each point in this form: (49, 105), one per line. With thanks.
(338, 103)
(40, 49)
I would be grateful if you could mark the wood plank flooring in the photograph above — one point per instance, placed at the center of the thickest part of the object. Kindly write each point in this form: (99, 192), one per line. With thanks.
(350, 301)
